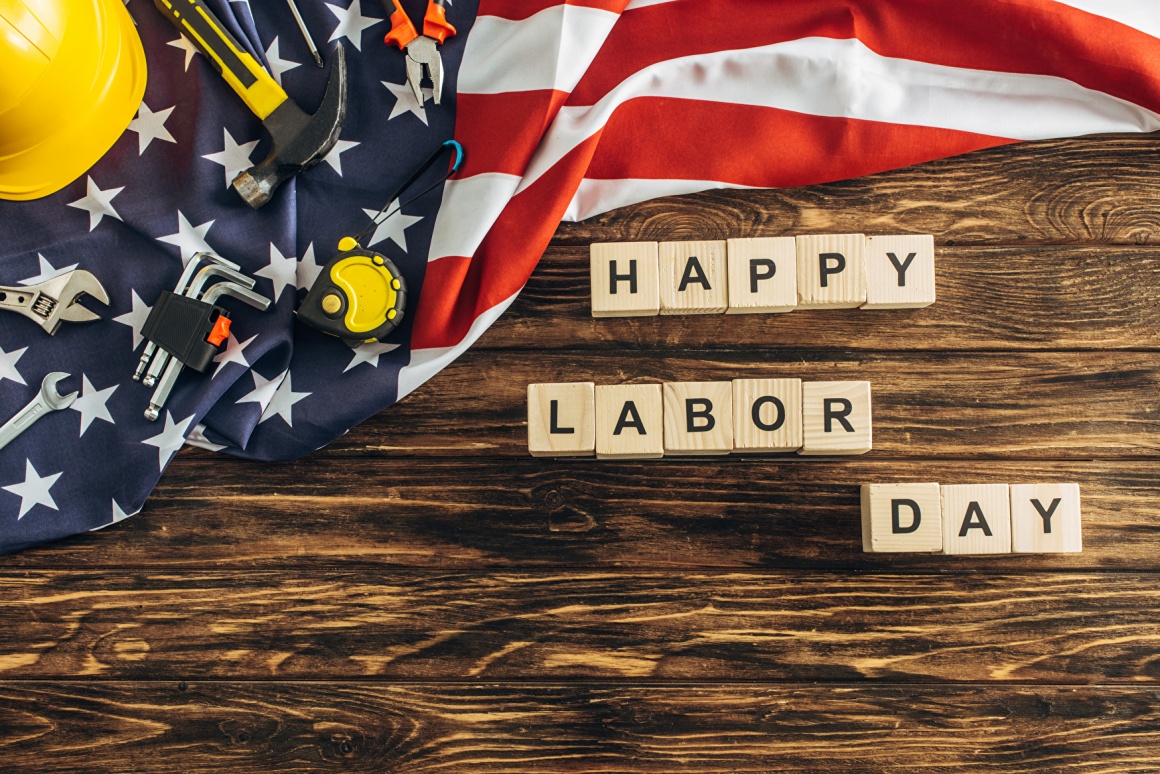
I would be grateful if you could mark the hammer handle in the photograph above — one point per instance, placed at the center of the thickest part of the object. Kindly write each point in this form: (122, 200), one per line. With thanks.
(241, 71)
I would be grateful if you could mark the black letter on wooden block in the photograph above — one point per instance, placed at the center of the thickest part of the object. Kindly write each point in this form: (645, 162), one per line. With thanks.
(624, 421)
(614, 278)
(777, 404)
(755, 277)
(896, 521)
(699, 408)
(824, 268)
(554, 425)
(830, 414)
(901, 267)
(693, 273)
(1046, 514)
(969, 523)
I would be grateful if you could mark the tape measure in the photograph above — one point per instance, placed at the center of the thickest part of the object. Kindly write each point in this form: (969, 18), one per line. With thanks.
(360, 295)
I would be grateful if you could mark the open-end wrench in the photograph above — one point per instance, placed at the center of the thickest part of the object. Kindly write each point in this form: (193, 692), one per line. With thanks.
(48, 399)
(55, 301)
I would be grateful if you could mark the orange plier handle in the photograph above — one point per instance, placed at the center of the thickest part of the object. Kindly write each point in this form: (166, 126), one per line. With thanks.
(435, 25)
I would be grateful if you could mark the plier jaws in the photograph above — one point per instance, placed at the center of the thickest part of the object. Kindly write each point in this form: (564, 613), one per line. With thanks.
(422, 50)
(423, 55)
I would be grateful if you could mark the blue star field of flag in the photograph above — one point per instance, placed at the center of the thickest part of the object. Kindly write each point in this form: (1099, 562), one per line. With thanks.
(278, 389)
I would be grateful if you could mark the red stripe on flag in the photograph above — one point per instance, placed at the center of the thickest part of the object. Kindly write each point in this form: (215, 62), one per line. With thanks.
(456, 290)
(666, 138)
(1036, 37)
(500, 132)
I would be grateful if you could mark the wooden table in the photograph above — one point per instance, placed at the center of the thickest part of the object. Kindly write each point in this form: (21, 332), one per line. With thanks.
(422, 596)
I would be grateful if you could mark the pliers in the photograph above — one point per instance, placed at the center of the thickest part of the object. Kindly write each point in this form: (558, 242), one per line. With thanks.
(422, 51)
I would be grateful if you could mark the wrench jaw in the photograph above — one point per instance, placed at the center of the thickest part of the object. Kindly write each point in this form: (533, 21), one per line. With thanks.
(52, 396)
(65, 291)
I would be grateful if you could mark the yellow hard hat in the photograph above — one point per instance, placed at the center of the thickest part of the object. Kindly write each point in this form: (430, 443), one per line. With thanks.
(73, 78)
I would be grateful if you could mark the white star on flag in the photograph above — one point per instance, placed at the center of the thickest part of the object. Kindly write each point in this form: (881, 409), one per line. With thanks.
(281, 271)
(334, 158)
(189, 239)
(8, 362)
(33, 490)
(170, 439)
(135, 318)
(98, 203)
(351, 23)
(197, 439)
(283, 401)
(232, 354)
(393, 228)
(405, 101)
(369, 352)
(308, 269)
(47, 271)
(234, 157)
(263, 391)
(119, 515)
(150, 126)
(93, 404)
(185, 45)
(278, 65)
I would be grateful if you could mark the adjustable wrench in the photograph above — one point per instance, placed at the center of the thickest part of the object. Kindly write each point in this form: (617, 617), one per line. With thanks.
(48, 399)
(55, 301)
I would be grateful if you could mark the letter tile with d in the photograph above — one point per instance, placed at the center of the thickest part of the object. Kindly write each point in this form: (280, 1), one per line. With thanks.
(902, 518)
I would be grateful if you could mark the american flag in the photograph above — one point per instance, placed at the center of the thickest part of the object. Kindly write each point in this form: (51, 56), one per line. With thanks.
(566, 110)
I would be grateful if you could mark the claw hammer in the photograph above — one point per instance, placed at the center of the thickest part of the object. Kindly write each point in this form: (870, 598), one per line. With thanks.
(300, 140)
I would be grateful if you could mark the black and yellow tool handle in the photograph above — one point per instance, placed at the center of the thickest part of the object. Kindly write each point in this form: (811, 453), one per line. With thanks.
(242, 72)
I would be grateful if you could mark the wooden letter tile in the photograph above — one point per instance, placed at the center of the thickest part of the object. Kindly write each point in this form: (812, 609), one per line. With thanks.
(562, 420)
(762, 275)
(767, 415)
(693, 278)
(836, 418)
(976, 519)
(901, 517)
(624, 280)
(629, 421)
(698, 417)
(899, 272)
(1045, 519)
(831, 271)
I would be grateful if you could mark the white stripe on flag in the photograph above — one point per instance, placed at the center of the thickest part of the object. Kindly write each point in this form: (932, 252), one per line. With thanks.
(596, 196)
(844, 78)
(1143, 15)
(425, 363)
(468, 210)
(548, 50)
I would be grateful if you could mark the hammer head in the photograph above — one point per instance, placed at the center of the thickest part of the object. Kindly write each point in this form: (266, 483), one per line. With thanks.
(300, 140)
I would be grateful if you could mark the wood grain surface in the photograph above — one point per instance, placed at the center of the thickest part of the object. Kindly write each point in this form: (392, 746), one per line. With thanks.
(424, 596)
(272, 727)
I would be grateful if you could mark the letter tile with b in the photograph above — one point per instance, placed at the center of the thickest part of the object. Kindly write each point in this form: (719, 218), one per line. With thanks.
(901, 517)
(698, 417)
